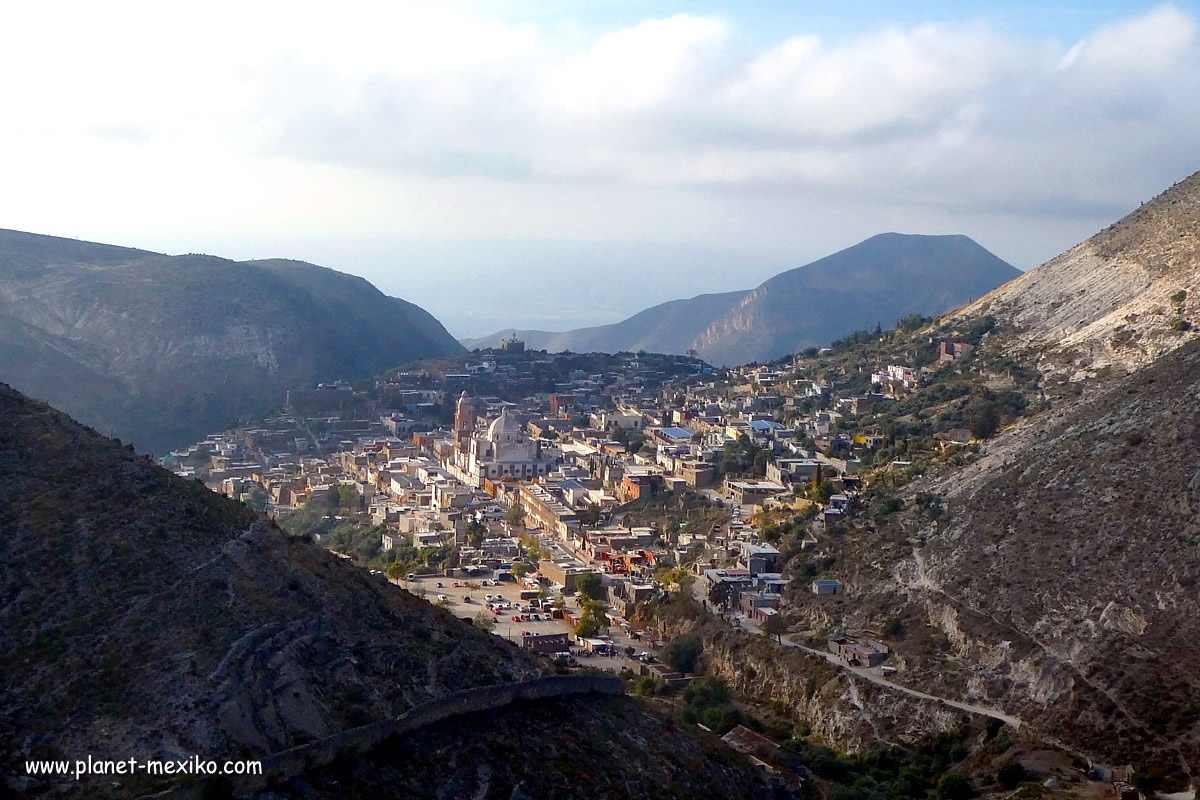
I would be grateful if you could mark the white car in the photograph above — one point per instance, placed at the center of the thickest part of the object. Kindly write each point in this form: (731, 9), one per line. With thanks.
(443, 598)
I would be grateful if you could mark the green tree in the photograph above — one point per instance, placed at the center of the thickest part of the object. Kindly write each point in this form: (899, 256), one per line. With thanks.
(982, 416)
(485, 621)
(590, 586)
(590, 515)
(396, 571)
(954, 786)
(520, 570)
(258, 498)
(593, 620)
(476, 534)
(347, 497)
(775, 625)
(1010, 775)
(683, 653)
(721, 594)
(516, 515)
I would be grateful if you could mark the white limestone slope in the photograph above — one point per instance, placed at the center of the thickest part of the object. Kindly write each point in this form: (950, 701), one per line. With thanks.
(1117, 299)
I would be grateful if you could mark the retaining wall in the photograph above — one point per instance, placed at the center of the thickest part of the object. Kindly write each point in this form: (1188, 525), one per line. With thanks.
(287, 764)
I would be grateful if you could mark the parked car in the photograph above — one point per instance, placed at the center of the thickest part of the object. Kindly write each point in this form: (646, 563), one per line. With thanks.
(443, 598)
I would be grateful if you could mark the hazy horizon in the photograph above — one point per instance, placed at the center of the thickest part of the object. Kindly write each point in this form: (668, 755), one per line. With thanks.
(547, 165)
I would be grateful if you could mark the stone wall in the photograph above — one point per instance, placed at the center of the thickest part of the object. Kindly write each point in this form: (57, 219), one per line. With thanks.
(287, 764)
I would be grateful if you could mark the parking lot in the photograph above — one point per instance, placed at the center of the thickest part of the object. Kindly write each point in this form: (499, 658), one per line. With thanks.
(458, 604)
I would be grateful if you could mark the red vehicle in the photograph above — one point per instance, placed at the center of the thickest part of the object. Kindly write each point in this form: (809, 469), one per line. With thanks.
(516, 618)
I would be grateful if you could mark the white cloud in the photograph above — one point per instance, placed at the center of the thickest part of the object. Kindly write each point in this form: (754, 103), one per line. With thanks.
(430, 119)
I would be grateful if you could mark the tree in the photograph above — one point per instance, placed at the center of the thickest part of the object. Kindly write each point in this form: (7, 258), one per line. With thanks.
(519, 570)
(590, 515)
(590, 586)
(721, 594)
(485, 621)
(593, 620)
(395, 571)
(682, 653)
(954, 786)
(1010, 775)
(775, 625)
(982, 417)
(516, 515)
(347, 497)
(258, 498)
(476, 533)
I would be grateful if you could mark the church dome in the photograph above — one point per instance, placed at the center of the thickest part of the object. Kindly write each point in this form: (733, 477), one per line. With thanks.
(503, 425)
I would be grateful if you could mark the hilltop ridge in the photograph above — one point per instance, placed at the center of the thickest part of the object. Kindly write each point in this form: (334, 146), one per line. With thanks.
(879, 280)
(159, 350)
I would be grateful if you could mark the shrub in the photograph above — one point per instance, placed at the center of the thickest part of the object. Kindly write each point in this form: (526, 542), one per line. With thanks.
(682, 654)
(1010, 775)
(954, 786)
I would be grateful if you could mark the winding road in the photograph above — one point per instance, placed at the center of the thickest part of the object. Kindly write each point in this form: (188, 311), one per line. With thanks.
(873, 677)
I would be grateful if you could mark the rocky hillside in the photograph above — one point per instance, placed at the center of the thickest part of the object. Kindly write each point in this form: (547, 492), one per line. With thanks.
(143, 616)
(158, 349)
(876, 281)
(1121, 298)
(1053, 573)
(615, 747)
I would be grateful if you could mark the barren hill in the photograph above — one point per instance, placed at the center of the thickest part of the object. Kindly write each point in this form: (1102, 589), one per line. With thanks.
(1118, 299)
(1059, 581)
(159, 350)
(879, 280)
(143, 614)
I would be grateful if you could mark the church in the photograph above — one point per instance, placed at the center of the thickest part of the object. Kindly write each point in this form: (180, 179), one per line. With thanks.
(504, 451)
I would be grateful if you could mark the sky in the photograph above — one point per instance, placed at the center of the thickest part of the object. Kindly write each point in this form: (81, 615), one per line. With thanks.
(559, 164)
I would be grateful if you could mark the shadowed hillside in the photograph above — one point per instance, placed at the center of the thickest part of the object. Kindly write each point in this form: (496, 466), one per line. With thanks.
(159, 350)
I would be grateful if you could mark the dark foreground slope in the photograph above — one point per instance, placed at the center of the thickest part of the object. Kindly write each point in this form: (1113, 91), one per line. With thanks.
(158, 350)
(613, 747)
(142, 616)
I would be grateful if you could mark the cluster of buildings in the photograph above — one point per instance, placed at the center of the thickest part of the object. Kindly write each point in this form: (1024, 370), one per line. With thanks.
(441, 456)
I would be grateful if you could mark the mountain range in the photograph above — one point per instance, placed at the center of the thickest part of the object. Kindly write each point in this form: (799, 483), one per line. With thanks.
(877, 281)
(159, 350)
